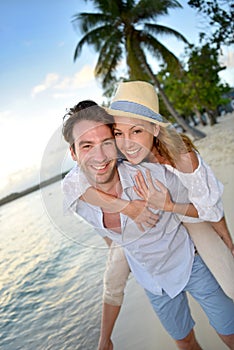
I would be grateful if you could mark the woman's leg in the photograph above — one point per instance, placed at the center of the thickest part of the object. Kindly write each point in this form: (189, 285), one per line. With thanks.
(215, 254)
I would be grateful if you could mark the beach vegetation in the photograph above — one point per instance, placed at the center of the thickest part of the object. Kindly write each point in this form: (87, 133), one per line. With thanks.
(218, 24)
(196, 90)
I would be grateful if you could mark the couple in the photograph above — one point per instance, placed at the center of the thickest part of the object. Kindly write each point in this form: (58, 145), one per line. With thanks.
(162, 258)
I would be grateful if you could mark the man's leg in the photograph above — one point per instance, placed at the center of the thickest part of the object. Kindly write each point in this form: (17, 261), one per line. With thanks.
(175, 316)
(218, 307)
(228, 340)
(189, 342)
(115, 278)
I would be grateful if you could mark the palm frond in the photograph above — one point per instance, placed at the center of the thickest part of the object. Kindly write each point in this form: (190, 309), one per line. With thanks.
(159, 50)
(151, 9)
(164, 30)
(94, 38)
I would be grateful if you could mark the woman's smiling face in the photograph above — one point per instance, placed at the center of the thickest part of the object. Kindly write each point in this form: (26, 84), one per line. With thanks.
(135, 138)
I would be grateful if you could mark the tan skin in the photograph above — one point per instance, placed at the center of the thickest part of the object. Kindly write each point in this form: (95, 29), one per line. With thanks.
(94, 152)
(138, 210)
(125, 137)
(135, 139)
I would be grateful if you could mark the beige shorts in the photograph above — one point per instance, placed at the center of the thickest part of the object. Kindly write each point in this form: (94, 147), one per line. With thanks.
(210, 247)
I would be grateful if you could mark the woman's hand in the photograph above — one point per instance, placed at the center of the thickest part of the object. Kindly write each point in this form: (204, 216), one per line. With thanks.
(156, 198)
(139, 212)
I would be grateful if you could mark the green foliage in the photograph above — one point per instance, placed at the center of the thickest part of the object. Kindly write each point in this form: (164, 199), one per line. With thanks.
(219, 15)
(198, 85)
(126, 30)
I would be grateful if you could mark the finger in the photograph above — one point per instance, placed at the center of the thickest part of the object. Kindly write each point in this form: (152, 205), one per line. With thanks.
(141, 228)
(150, 218)
(152, 221)
(149, 180)
(141, 184)
(138, 192)
(161, 186)
(150, 214)
(149, 224)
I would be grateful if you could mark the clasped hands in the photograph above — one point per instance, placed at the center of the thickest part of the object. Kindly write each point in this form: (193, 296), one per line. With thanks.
(154, 195)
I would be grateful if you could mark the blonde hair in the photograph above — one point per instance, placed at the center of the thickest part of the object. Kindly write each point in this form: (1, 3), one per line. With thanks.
(170, 144)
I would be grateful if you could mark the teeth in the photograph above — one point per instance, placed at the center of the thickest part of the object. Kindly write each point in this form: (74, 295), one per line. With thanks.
(99, 167)
(132, 152)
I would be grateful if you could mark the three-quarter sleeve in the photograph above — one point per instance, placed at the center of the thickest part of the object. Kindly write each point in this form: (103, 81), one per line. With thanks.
(74, 185)
(204, 190)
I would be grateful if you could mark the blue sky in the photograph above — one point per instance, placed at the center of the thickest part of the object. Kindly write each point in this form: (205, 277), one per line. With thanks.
(39, 78)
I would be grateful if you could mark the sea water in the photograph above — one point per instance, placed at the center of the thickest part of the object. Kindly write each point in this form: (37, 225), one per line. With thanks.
(51, 272)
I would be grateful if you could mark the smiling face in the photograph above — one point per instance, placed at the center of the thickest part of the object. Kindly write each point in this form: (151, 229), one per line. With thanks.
(135, 138)
(95, 151)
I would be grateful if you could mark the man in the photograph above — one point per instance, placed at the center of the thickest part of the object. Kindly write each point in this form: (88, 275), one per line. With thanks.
(162, 259)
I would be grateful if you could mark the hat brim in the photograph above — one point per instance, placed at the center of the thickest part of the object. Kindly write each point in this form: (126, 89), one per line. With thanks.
(119, 113)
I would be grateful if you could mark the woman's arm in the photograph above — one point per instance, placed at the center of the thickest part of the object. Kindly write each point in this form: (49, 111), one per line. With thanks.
(205, 192)
(221, 228)
(158, 197)
(136, 209)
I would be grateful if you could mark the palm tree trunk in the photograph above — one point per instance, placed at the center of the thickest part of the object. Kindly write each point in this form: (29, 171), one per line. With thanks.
(211, 116)
(197, 134)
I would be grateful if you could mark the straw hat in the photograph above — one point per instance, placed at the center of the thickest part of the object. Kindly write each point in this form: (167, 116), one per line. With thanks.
(137, 99)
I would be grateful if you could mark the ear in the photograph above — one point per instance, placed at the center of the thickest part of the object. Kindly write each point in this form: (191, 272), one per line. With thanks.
(73, 154)
(156, 130)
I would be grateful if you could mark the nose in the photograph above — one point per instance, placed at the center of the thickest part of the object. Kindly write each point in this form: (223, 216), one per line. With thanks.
(99, 154)
(128, 143)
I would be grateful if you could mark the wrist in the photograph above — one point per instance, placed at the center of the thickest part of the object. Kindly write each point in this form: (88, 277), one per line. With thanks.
(170, 207)
(126, 207)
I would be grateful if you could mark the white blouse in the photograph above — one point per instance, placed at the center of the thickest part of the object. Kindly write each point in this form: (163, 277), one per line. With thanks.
(204, 190)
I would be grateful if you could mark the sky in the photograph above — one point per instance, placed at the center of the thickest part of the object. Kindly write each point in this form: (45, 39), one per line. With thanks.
(39, 80)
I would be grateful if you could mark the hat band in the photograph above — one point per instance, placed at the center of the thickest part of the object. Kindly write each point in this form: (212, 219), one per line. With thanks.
(136, 108)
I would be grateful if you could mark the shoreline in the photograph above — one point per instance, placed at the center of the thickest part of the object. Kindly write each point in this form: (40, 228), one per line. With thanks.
(15, 195)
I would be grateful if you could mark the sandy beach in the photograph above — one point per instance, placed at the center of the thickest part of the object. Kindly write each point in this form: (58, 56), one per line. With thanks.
(137, 327)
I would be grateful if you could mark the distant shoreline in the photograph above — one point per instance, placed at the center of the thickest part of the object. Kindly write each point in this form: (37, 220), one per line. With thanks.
(15, 195)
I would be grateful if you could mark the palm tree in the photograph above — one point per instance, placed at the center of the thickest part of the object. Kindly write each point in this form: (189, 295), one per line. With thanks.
(127, 29)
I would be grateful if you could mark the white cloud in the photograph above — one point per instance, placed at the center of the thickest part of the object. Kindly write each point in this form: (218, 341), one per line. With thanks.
(230, 59)
(5, 116)
(227, 58)
(50, 80)
(79, 80)
(65, 85)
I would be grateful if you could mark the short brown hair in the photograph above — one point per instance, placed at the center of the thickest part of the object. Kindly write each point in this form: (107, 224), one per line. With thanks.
(75, 115)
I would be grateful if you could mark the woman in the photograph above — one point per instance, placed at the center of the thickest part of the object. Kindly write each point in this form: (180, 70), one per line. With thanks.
(142, 134)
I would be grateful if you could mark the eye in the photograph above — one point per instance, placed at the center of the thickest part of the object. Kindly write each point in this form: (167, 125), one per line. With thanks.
(117, 133)
(86, 147)
(137, 131)
(108, 142)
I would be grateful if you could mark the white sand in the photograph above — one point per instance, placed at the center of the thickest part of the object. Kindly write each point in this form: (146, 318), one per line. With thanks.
(137, 327)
